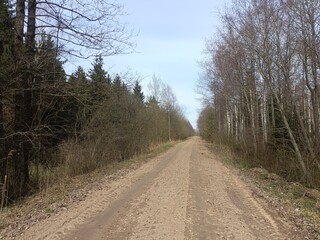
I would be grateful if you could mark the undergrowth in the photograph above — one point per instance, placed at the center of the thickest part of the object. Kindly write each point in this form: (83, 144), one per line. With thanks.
(44, 177)
(299, 200)
(61, 191)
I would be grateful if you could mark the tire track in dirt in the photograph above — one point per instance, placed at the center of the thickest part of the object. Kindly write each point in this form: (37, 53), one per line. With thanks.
(184, 193)
(165, 203)
(156, 210)
(222, 207)
(101, 204)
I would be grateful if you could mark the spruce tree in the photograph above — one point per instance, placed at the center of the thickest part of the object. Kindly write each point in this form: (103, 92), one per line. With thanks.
(78, 78)
(79, 100)
(137, 92)
(119, 88)
(100, 81)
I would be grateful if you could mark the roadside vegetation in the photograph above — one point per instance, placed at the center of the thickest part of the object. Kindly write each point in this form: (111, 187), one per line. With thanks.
(261, 106)
(292, 200)
(261, 87)
(54, 125)
(67, 191)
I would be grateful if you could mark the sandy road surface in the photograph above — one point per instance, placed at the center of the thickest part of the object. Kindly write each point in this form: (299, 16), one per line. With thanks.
(184, 193)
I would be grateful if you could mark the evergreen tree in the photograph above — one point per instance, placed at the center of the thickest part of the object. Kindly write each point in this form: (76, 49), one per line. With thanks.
(137, 92)
(79, 100)
(78, 78)
(152, 102)
(119, 88)
(6, 70)
(49, 98)
(100, 81)
(49, 67)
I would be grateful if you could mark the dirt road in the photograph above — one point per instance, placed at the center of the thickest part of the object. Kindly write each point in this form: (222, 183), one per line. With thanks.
(184, 193)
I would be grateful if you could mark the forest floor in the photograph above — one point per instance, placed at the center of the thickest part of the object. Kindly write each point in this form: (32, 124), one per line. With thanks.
(187, 192)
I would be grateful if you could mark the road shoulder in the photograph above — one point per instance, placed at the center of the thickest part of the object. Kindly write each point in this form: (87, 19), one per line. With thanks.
(67, 194)
(289, 200)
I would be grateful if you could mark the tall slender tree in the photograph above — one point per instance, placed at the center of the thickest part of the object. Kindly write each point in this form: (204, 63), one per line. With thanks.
(100, 81)
(6, 71)
(137, 92)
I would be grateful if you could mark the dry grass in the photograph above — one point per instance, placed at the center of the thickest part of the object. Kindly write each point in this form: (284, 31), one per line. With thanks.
(299, 204)
(79, 159)
(60, 191)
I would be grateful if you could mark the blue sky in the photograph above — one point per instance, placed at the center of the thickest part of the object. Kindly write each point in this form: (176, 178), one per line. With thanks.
(170, 41)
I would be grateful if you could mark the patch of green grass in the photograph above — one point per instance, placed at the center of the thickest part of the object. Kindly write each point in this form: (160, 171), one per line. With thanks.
(49, 210)
(297, 191)
(308, 205)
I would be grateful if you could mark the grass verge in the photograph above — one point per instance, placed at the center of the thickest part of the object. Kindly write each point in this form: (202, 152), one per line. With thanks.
(58, 196)
(297, 203)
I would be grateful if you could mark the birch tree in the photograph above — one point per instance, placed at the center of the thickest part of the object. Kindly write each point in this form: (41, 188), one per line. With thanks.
(263, 77)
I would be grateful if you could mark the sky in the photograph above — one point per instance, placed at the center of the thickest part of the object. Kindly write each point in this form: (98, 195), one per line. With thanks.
(170, 40)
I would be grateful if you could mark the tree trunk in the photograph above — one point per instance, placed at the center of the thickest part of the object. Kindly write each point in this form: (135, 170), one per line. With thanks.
(306, 138)
(292, 138)
(2, 146)
(264, 114)
(236, 112)
(169, 125)
(315, 108)
(28, 81)
(19, 169)
(2, 133)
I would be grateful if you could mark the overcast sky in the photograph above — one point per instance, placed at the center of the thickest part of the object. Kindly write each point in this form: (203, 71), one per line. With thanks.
(170, 41)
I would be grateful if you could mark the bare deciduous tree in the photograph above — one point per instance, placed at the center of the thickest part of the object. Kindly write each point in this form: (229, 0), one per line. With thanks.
(263, 75)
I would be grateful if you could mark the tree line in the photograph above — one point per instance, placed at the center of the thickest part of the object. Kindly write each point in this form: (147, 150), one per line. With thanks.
(262, 85)
(50, 120)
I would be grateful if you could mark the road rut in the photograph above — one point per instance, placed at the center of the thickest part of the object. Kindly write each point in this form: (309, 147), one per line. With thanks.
(185, 193)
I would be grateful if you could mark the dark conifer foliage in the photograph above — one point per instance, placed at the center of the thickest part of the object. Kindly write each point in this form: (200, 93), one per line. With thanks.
(52, 124)
(137, 91)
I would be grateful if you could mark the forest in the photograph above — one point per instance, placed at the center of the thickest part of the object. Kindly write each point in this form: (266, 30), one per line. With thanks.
(261, 80)
(54, 123)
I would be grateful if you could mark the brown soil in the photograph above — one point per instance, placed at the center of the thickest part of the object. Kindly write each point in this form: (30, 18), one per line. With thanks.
(184, 193)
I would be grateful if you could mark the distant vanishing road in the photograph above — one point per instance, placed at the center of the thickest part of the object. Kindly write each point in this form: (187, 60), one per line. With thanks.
(184, 193)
